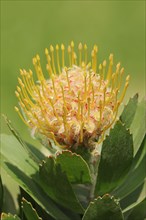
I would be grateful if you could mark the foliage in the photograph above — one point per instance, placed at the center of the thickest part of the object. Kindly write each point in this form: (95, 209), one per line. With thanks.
(63, 186)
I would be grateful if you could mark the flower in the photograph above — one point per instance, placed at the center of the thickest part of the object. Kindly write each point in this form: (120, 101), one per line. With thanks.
(77, 103)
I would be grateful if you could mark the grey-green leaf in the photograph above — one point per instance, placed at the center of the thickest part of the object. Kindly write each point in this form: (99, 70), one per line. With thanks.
(1, 194)
(137, 127)
(30, 149)
(8, 216)
(105, 208)
(136, 174)
(56, 184)
(129, 111)
(139, 212)
(134, 199)
(75, 167)
(116, 159)
(17, 163)
(29, 211)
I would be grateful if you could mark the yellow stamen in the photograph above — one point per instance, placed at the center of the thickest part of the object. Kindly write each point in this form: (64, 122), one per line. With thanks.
(93, 93)
(72, 52)
(29, 113)
(80, 53)
(36, 68)
(85, 84)
(88, 100)
(53, 83)
(120, 80)
(31, 75)
(43, 111)
(88, 65)
(115, 116)
(63, 95)
(118, 68)
(52, 57)
(49, 61)
(82, 123)
(79, 105)
(22, 87)
(58, 62)
(67, 78)
(104, 68)
(93, 60)
(29, 81)
(90, 83)
(85, 50)
(18, 89)
(104, 95)
(20, 92)
(101, 110)
(49, 70)
(124, 91)
(63, 60)
(83, 66)
(113, 81)
(64, 119)
(110, 69)
(100, 73)
(100, 70)
(95, 49)
(128, 78)
(42, 98)
(24, 92)
(75, 58)
(54, 111)
(40, 123)
(18, 96)
(69, 54)
(40, 68)
(26, 82)
(17, 110)
(117, 74)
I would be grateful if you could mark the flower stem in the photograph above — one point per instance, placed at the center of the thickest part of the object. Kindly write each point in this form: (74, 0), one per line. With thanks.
(93, 163)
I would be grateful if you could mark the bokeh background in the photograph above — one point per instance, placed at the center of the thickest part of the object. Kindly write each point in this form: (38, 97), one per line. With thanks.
(28, 27)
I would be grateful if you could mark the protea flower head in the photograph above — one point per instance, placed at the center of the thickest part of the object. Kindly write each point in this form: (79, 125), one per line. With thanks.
(78, 101)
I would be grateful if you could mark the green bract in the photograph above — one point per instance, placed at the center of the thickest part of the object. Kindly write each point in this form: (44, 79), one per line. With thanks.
(75, 185)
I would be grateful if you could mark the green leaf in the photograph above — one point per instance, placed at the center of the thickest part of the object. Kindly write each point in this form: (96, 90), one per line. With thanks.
(136, 174)
(15, 153)
(103, 208)
(37, 152)
(55, 183)
(138, 126)
(18, 164)
(139, 212)
(129, 111)
(141, 197)
(1, 194)
(75, 167)
(5, 216)
(36, 155)
(116, 159)
(9, 200)
(13, 130)
(29, 211)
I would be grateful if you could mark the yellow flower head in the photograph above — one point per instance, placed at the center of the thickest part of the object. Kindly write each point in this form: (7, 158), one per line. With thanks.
(78, 102)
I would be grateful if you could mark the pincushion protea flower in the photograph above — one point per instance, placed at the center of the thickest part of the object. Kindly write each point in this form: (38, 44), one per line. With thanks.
(77, 103)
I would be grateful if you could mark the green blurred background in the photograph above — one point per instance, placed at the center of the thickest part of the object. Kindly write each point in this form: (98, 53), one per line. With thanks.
(27, 27)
